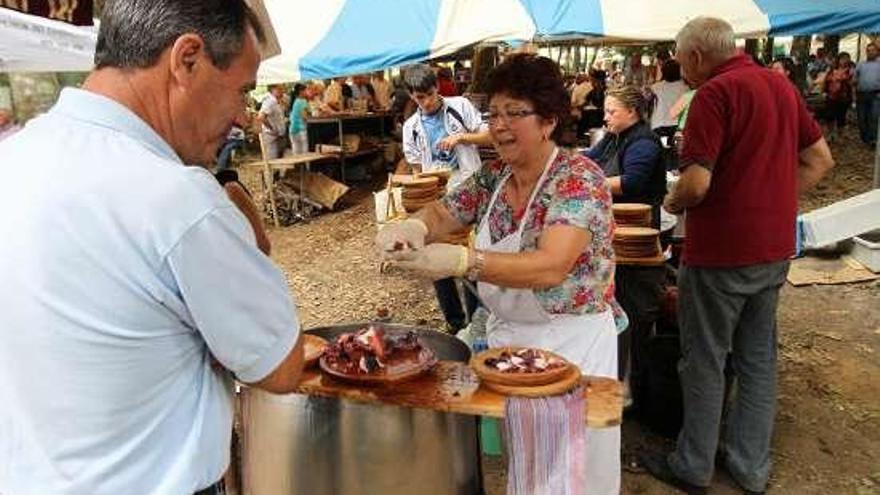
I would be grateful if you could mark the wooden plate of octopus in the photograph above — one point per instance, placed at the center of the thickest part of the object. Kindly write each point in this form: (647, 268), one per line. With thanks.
(375, 356)
(525, 366)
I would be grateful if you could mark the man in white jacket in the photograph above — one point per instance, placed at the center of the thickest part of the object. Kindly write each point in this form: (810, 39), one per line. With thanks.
(443, 134)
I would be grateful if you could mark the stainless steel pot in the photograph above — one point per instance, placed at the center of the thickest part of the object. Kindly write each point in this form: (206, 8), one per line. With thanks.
(302, 445)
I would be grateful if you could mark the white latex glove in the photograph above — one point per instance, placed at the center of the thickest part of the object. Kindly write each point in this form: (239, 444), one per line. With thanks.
(405, 235)
(434, 261)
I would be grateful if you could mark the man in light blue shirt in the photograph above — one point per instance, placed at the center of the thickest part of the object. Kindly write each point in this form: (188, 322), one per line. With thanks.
(117, 346)
(868, 95)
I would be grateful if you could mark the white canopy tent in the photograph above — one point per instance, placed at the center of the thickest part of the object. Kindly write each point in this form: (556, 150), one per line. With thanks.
(342, 37)
(354, 36)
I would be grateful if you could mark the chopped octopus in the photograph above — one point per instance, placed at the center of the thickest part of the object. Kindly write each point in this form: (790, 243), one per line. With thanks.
(369, 350)
(524, 361)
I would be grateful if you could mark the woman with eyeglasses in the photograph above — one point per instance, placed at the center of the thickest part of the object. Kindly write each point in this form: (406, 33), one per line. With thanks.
(542, 260)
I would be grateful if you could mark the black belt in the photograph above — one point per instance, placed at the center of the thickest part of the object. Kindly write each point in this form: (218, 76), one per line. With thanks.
(218, 488)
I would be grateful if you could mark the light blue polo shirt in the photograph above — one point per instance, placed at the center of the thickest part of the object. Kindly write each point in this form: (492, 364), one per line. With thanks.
(121, 272)
(868, 75)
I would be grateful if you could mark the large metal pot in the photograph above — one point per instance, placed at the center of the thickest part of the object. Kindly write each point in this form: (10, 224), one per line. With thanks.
(302, 445)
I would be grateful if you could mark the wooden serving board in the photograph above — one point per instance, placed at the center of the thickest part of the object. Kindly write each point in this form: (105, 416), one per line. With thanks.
(454, 387)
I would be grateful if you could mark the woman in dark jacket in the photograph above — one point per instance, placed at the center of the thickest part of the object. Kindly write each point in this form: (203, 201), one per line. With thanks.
(630, 153)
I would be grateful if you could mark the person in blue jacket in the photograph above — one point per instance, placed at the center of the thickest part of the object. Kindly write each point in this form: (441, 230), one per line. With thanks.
(630, 153)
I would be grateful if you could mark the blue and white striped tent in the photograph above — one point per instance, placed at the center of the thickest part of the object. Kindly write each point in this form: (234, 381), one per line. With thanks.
(340, 37)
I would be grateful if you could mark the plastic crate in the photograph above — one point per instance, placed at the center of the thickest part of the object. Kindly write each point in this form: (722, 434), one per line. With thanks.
(842, 220)
(866, 249)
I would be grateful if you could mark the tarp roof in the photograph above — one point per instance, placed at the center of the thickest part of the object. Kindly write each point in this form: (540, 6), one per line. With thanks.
(352, 36)
(341, 37)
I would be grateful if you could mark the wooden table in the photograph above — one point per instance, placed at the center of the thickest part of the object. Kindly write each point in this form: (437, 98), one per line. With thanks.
(454, 387)
(282, 164)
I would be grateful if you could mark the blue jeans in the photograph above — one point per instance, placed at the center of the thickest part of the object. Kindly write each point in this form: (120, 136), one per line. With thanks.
(224, 158)
(868, 111)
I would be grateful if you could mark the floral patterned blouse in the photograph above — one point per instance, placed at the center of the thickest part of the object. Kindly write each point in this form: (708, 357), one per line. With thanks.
(573, 193)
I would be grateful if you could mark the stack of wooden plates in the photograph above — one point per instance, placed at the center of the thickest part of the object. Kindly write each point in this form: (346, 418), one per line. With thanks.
(441, 175)
(632, 214)
(636, 242)
(419, 191)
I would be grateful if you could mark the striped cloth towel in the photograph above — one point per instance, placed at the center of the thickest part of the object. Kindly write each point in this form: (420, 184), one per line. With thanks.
(546, 445)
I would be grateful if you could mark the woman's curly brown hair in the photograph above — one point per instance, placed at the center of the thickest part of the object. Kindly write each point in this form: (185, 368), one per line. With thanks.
(536, 79)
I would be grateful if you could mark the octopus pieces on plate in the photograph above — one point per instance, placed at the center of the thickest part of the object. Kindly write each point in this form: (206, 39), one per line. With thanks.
(524, 361)
(368, 351)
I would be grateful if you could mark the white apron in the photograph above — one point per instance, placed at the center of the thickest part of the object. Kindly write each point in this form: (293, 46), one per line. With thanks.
(590, 340)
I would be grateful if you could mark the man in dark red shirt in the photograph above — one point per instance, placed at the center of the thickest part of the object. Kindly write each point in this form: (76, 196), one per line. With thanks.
(750, 146)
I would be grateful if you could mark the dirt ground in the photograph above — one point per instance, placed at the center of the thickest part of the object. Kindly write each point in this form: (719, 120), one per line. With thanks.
(827, 435)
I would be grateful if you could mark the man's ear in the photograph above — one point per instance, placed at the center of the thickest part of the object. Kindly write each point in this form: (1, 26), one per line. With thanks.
(699, 58)
(186, 57)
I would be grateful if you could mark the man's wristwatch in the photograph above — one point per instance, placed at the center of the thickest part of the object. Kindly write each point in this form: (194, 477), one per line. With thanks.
(473, 272)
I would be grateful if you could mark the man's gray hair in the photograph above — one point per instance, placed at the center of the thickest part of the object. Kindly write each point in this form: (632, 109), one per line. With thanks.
(420, 78)
(134, 33)
(711, 36)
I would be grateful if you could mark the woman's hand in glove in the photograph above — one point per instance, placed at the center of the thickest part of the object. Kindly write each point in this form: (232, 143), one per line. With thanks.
(434, 261)
(401, 236)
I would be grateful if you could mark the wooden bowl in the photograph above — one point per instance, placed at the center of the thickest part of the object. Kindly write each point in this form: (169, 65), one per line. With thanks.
(635, 232)
(630, 207)
(567, 383)
(401, 179)
(632, 214)
(421, 183)
(441, 175)
(313, 348)
(419, 194)
(489, 374)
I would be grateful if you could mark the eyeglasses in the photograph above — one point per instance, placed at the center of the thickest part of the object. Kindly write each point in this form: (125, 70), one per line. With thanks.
(494, 118)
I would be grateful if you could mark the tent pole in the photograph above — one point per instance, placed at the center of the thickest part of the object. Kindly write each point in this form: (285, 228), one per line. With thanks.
(877, 158)
(859, 49)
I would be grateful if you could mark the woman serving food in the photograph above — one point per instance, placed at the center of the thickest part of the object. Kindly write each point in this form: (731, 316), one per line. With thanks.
(543, 257)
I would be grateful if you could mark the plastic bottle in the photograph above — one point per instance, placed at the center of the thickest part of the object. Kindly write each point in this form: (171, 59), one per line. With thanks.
(478, 330)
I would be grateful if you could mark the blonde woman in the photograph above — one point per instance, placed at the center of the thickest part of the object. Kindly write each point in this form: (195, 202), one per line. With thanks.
(630, 152)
